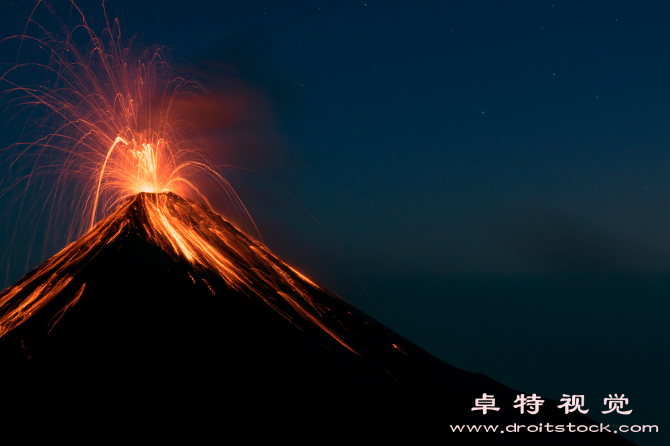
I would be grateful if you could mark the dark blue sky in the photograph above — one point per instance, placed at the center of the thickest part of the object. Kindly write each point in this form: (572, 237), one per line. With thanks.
(490, 178)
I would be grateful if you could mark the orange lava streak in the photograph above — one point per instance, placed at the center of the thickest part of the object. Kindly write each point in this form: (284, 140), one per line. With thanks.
(244, 264)
(47, 281)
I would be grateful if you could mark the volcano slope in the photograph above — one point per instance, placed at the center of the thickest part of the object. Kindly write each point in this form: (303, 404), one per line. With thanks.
(169, 312)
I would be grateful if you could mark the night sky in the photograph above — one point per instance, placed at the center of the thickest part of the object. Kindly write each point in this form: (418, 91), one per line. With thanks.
(488, 179)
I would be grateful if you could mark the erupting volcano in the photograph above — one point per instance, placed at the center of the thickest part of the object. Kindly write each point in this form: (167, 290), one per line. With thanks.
(168, 311)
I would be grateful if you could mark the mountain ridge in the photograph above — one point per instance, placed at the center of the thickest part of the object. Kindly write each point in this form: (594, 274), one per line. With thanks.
(134, 319)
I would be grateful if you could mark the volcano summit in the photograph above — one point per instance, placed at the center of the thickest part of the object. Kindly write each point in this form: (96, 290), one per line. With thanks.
(170, 312)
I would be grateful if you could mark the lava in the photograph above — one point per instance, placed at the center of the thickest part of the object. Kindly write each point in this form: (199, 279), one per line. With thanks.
(186, 230)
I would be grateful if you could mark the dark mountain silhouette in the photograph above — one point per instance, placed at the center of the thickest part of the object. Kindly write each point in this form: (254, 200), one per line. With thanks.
(136, 323)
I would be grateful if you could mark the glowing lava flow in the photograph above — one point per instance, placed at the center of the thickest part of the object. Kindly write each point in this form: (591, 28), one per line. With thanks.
(186, 230)
(208, 243)
(114, 142)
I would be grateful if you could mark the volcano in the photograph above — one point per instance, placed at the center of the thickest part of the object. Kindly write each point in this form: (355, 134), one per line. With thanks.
(166, 313)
